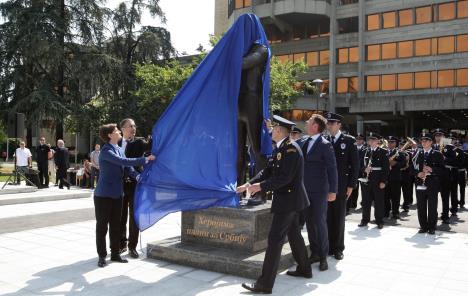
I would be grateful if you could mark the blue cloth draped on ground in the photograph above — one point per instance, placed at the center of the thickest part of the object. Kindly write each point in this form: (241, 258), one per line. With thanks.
(195, 140)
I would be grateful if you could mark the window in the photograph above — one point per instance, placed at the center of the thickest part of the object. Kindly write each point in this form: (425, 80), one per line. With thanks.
(373, 22)
(446, 45)
(354, 54)
(239, 4)
(324, 57)
(282, 58)
(389, 19)
(299, 57)
(462, 77)
(462, 43)
(462, 9)
(405, 17)
(423, 47)
(348, 25)
(373, 52)
(405, 81)
(405, 49)
(343, 57)
(312, 58)
(373, 83)
(388, 51)
(446, 11)
(353, 84)
(388, 82)
(342, 85)
(423, 15)
(445, 78)
(247, 3)
(422, 80)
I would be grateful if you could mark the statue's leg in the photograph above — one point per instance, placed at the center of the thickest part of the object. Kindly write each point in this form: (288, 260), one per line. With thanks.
(241, 152)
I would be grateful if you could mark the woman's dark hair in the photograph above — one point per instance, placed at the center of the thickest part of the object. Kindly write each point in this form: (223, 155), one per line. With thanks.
(105, 130)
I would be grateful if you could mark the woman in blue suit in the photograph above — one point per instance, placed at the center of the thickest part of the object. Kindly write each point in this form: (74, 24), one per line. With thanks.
(109, 191)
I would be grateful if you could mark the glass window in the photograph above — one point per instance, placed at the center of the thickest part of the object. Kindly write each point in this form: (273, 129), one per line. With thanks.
(282, 58)
(405, 81)
(445, 78)
(422, 80)
(389, 19)
(405, 17)
(388, 82)
(462, 43)
(373, 22)
(342, 85)
(373, 52)
(239, 4)
(312, 58)
(372, 83)
(299, 57)
(446, 44)
(462, 77)
(353, 54)
(353, 84)
(247, 3)
(423, 15)
(423, 47)
(342, 55)
(434, 46)
(433, 79)
(388, 51)
(447, 11)
(405, 49)
(462, 9)
(324, 57)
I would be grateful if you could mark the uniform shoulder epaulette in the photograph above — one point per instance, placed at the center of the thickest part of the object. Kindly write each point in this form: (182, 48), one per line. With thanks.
(351, 138)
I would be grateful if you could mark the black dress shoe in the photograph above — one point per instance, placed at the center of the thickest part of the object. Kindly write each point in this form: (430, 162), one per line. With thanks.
(454, 215)
(117, 258)
(255, 288)
(323, 264)
(422, 230)
(101, 262)
(362, 224)
(431, 231)
(68, 187)
(380, 225)
(446, 221)
(133, 253)
(339, 256)
(314, 259)
(296, 273)
(396, 217)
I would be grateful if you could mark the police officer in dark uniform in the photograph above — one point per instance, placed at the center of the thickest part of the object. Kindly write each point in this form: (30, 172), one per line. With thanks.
(133, 147)
(447, 175)
(407, 179)
(428, 165)
(347, 161)
(397, 161)
(462, 161)
(376, 169)
(284, 177)
(361, 148)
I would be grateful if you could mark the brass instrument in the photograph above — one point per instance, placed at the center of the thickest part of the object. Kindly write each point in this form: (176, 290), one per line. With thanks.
(384, 144)
(407, 144)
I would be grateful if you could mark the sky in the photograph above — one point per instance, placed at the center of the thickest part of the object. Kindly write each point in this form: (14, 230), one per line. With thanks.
(190, 22)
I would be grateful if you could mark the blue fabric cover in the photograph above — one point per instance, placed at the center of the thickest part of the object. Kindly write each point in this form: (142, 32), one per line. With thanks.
(195, 140)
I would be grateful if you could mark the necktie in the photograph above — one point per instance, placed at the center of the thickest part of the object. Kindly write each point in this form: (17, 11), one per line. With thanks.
(333, 139)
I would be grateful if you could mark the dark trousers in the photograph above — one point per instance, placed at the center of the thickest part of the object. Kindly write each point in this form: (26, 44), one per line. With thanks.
(282, 225)
(454, 191)
(462, 185)
(63, 181)
(336, 223)
(427, 208)
(21, 170)
(129, 192)
(371, 192)
(445, 193)
(108, 212)
(94, 174)
(392, 198)
(352, 200)
(43, 173)
(315, 217)
(407, 185)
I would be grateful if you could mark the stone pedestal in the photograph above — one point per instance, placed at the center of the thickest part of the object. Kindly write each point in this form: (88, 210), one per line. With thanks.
(226, 240)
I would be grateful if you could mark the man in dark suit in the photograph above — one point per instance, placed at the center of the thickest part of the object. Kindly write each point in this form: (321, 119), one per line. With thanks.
(347, 161)
(284, 177)
(42, 158)
(428, 165)
(62, 162)
(132, 147)
(321, 182)
(361, 148)
(397, 161)
(376, 170)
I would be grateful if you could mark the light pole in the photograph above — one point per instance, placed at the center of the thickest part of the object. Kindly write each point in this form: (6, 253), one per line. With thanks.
(318, 87)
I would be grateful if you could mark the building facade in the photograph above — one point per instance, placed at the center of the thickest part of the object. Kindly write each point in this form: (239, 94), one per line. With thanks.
(394, 66)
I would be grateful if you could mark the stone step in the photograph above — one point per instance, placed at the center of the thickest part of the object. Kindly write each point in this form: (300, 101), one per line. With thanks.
(43, 195)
